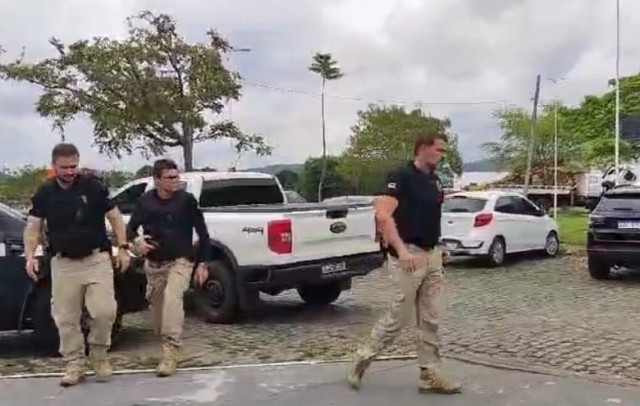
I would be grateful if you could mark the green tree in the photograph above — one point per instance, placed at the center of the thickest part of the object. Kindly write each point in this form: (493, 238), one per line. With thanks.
(115, 178)
(511, 150)
(288, 178)
(18, 185)
(334, 185)
(148, 92)
(144, 171)
(327, 67)
(382, 138)
(593, 122)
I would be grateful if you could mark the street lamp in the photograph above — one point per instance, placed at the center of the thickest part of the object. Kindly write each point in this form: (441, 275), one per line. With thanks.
(231, 102)
(555, 148)
(617, 129)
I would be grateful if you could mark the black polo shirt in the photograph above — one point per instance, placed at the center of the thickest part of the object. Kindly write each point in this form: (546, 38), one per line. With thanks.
(75, 216)
(419, 210)
(170, 224)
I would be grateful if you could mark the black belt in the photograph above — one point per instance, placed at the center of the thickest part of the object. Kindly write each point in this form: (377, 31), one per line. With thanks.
(69, 256)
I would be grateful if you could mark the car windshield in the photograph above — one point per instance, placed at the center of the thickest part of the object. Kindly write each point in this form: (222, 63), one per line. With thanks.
(463, 204)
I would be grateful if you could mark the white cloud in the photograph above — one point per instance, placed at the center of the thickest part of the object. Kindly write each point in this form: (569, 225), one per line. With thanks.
(404, 50)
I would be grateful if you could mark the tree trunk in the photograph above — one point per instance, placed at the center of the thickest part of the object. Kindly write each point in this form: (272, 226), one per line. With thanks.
(187, 149)
(324, 147)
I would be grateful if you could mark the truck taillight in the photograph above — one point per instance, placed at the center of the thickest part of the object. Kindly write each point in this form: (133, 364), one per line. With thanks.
(280, 236)
(482, 219)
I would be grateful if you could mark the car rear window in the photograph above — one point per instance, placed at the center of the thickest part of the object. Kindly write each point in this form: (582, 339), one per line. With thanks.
(463, 204)
(620, 202)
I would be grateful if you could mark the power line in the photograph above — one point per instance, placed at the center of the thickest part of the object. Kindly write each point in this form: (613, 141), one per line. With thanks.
(360, 99)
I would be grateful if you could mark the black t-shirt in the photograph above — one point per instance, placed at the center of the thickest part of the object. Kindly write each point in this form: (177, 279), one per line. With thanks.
(170, 223)
(75, 216)
(419, 210)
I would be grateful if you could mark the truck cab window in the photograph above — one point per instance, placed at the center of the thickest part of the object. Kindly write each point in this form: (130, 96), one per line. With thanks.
(240, 192)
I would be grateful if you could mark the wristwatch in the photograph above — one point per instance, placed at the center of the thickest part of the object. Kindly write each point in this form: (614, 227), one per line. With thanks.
(125, 246)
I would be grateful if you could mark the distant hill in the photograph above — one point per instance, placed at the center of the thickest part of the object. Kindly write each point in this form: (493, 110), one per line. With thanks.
(273, 169)
(484, 165)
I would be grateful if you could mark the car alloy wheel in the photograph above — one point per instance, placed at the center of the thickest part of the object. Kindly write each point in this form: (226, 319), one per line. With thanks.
(552, 245)
(497, 252)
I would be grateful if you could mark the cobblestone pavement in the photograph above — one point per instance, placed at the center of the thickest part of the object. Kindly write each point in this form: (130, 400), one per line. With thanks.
(539, 312)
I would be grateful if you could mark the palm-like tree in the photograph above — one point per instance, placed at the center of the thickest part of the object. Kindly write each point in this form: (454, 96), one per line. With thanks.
(328, 69)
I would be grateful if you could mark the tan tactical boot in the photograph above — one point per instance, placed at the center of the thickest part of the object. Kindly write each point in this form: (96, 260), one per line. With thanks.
(169, 362)
(433, 381)
(74, 373)
(103, 370)
(356, 371)
(100, 364)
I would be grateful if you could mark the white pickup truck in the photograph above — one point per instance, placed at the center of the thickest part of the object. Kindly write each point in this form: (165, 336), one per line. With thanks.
(262, 243)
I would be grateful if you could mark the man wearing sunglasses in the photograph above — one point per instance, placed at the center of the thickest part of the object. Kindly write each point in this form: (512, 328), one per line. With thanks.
(168, 215)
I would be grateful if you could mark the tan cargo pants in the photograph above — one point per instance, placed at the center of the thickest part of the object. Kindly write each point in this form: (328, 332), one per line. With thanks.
(416, 296)
(166, 284)
(76, 283)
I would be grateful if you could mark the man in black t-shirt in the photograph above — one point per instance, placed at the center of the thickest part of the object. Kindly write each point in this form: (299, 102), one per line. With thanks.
(73, 209)
(168, 216)
(408, 216)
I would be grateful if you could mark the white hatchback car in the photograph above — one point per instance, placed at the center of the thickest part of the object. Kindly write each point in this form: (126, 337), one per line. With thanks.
(492, 224)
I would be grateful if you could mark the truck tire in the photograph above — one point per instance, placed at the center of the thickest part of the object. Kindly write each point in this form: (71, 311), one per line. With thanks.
(599, 269)
(217, 300)
(320, 294)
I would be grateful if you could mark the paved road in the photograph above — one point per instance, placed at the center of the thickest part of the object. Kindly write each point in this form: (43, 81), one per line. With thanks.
(541, 312)
(389, 383)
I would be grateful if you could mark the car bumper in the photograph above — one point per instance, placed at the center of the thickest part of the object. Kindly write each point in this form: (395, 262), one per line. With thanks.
(464, 246)
(627, 255)
(311, 272)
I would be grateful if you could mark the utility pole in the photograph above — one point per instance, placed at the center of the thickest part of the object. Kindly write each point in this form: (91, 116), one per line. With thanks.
(534, 119)
(617, 111)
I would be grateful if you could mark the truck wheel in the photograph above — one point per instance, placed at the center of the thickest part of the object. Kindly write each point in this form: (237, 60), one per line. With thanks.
(217, 300)
(599, 269)
(320, 294)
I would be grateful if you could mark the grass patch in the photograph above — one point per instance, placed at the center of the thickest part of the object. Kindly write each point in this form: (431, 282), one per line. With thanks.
(573, 224)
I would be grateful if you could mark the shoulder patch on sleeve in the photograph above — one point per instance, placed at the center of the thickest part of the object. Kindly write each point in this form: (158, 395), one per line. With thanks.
(391, 185)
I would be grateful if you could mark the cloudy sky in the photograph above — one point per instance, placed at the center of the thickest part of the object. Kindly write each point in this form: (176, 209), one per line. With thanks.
(460, 58)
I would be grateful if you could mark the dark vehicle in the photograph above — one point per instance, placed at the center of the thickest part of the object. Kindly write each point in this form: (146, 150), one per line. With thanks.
(26, 305)
(613, 237)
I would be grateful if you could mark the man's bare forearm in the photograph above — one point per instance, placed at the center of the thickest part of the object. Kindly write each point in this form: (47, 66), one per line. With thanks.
(117, 225)
(32, 236)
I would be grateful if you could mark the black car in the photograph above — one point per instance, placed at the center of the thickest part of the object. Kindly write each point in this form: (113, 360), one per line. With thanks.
(26, 305)
(613, 237)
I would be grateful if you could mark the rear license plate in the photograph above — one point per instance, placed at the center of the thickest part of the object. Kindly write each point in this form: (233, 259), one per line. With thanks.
(451, 245)
(629, 224)
(334, 267)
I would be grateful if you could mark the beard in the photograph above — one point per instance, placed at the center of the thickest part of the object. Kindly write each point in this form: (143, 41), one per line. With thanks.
(66, 179)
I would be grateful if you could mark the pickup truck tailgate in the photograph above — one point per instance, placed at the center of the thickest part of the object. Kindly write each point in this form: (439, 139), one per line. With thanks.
(336, 231)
